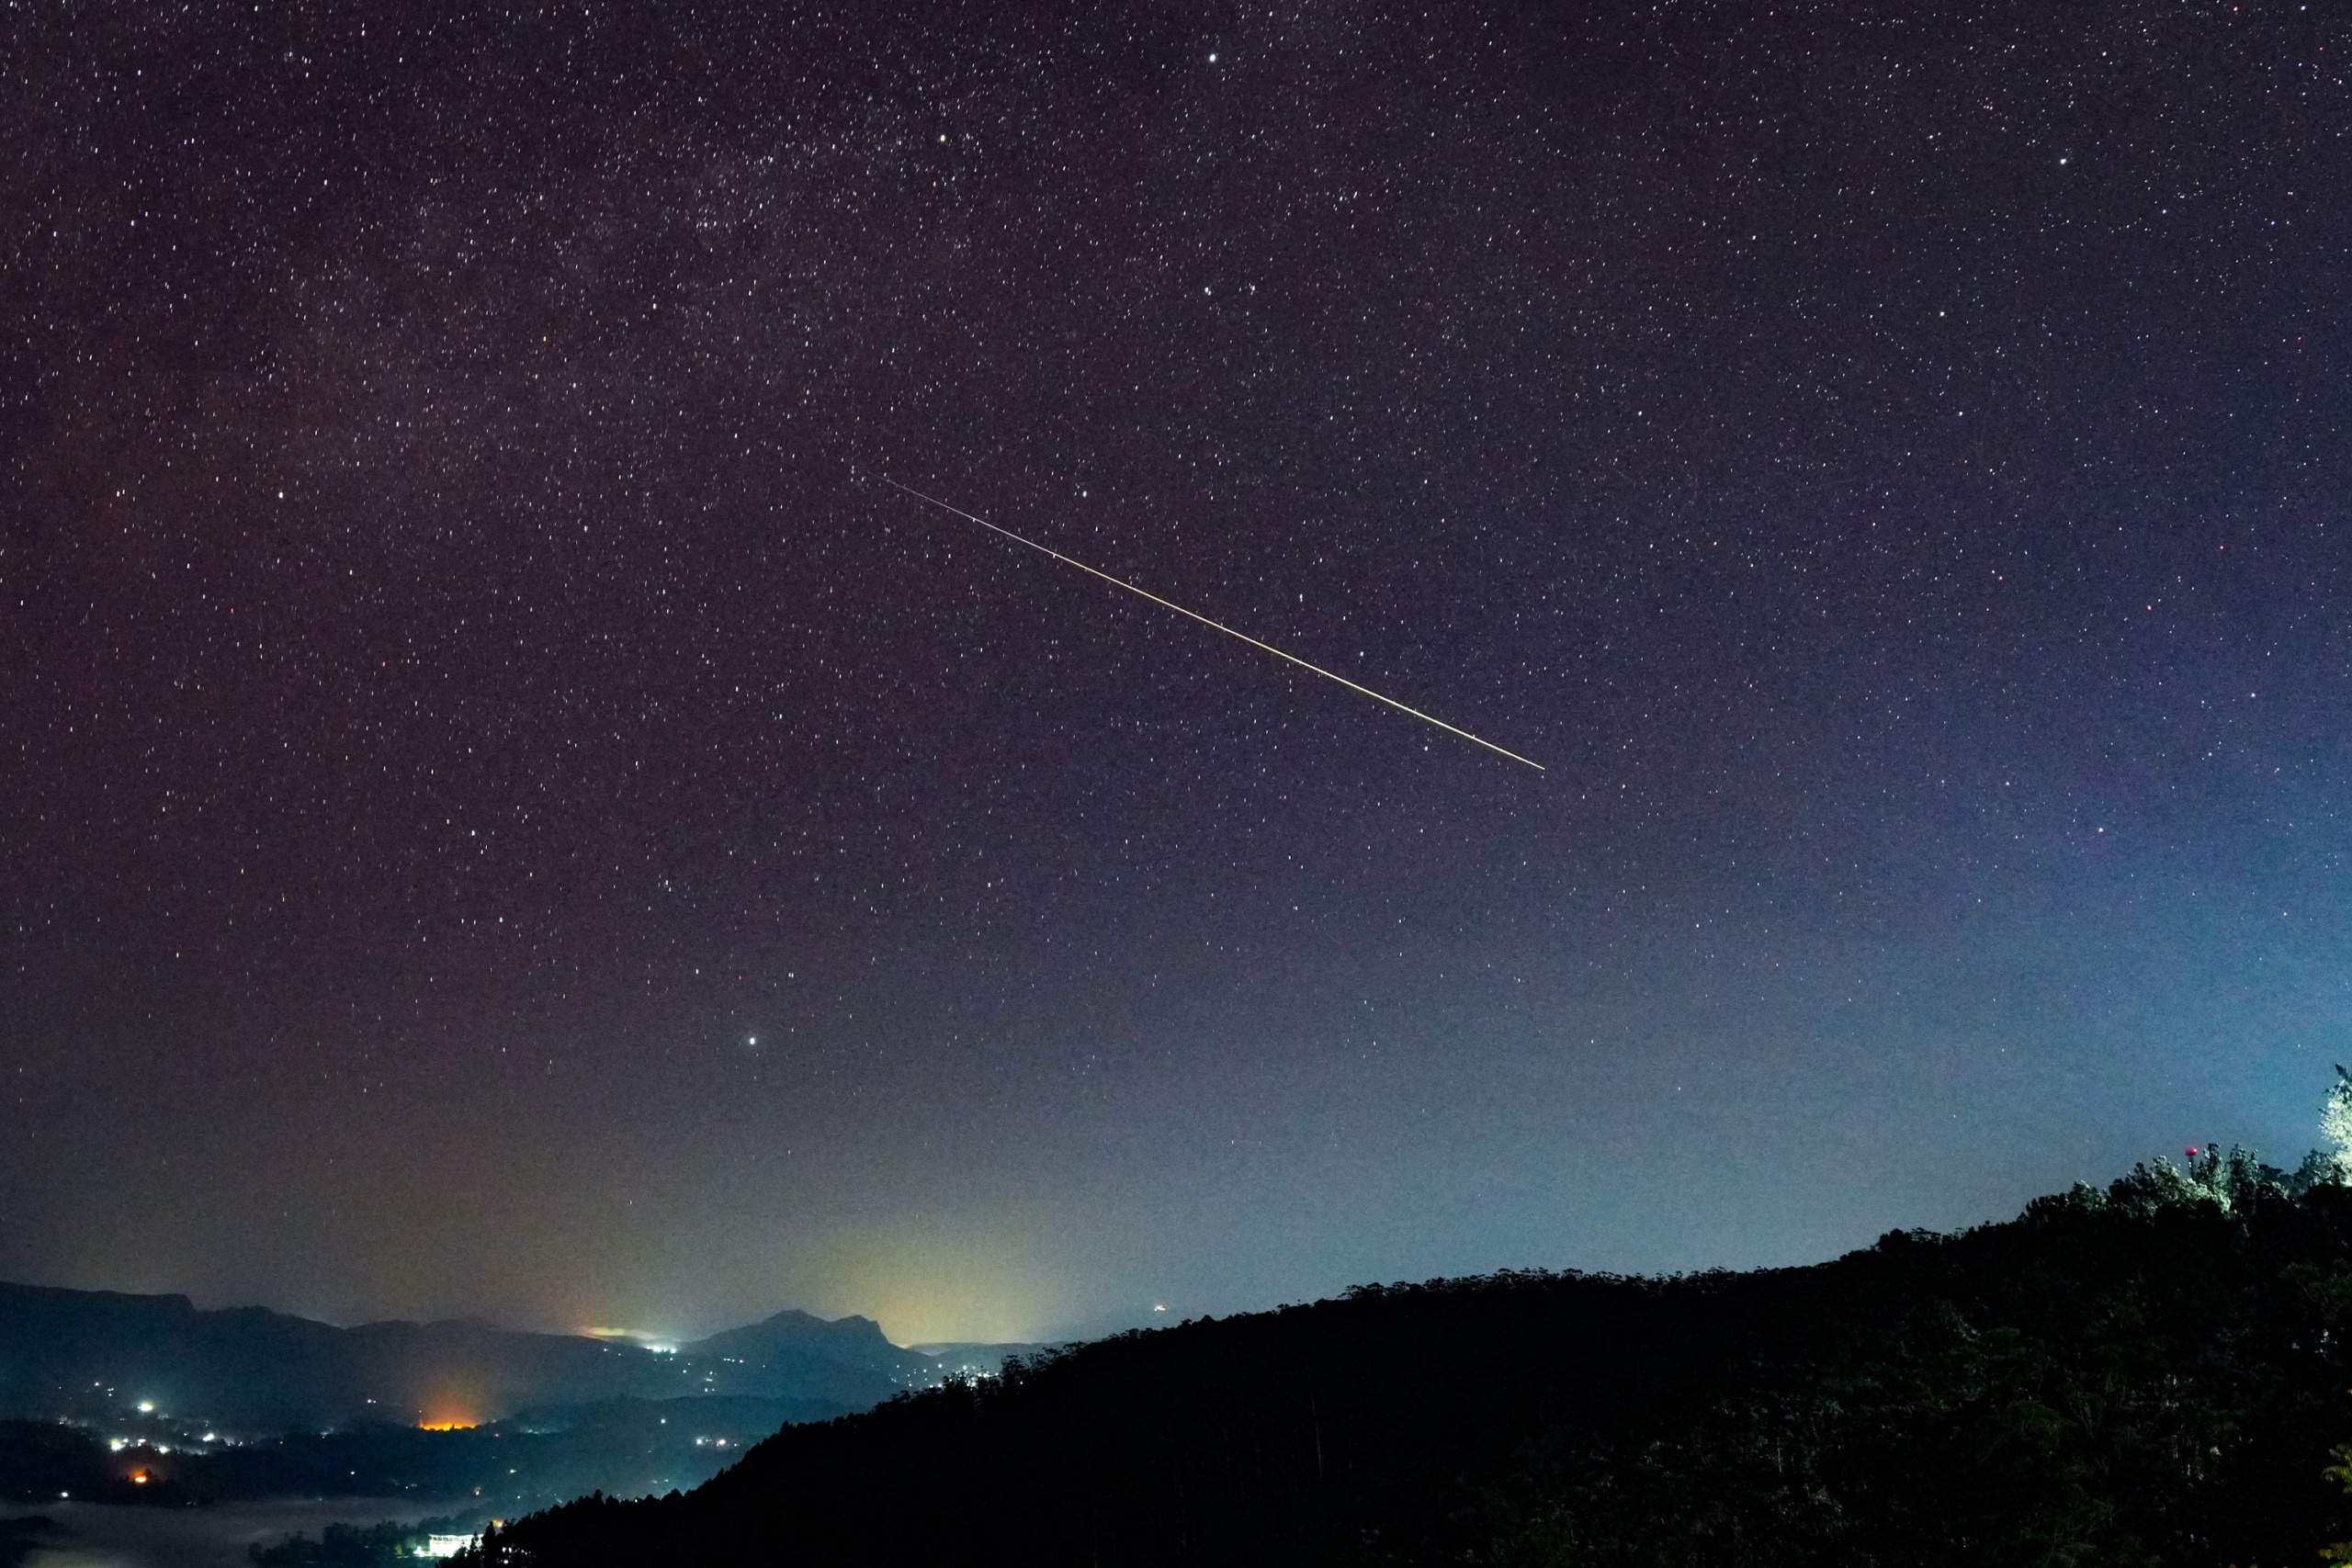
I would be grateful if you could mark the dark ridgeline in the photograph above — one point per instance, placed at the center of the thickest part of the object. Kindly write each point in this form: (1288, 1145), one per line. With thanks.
(2155, 1374)
(88, 1354)
(83, 1352)
(254, 1404)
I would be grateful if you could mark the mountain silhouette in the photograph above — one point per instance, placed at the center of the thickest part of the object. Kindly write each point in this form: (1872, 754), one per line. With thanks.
(98, 1355)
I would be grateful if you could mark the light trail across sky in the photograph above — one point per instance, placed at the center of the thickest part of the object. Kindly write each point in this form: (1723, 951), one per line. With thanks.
(1214, 625)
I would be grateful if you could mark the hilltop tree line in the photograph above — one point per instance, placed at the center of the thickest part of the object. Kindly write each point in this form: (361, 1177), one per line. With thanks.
(2157, 1372)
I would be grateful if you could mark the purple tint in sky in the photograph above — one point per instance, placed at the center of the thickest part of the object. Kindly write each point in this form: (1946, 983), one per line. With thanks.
(497, 817)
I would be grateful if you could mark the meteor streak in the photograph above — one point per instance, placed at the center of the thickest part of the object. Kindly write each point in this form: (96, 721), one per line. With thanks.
(1213, 625)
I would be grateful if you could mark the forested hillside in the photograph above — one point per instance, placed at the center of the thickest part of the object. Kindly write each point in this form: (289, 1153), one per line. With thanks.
(2151, 1374)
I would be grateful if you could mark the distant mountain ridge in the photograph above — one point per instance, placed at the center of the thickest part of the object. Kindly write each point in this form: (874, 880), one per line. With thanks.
(853, 1341)
(89, 1355)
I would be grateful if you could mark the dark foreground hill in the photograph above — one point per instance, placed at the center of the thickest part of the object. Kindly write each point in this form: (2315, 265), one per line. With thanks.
(2155, 1374)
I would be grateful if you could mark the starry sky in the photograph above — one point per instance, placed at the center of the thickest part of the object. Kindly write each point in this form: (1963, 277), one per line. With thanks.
(502, 812)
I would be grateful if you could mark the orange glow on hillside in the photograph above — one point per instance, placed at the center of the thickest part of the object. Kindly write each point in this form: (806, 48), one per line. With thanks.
(448, 1404)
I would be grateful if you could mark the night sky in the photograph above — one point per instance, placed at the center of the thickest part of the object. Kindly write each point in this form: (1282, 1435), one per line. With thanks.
(500, 813)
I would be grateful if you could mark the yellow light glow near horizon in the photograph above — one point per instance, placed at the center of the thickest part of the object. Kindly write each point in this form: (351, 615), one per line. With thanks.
(450, 1410)
(927, 1289)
